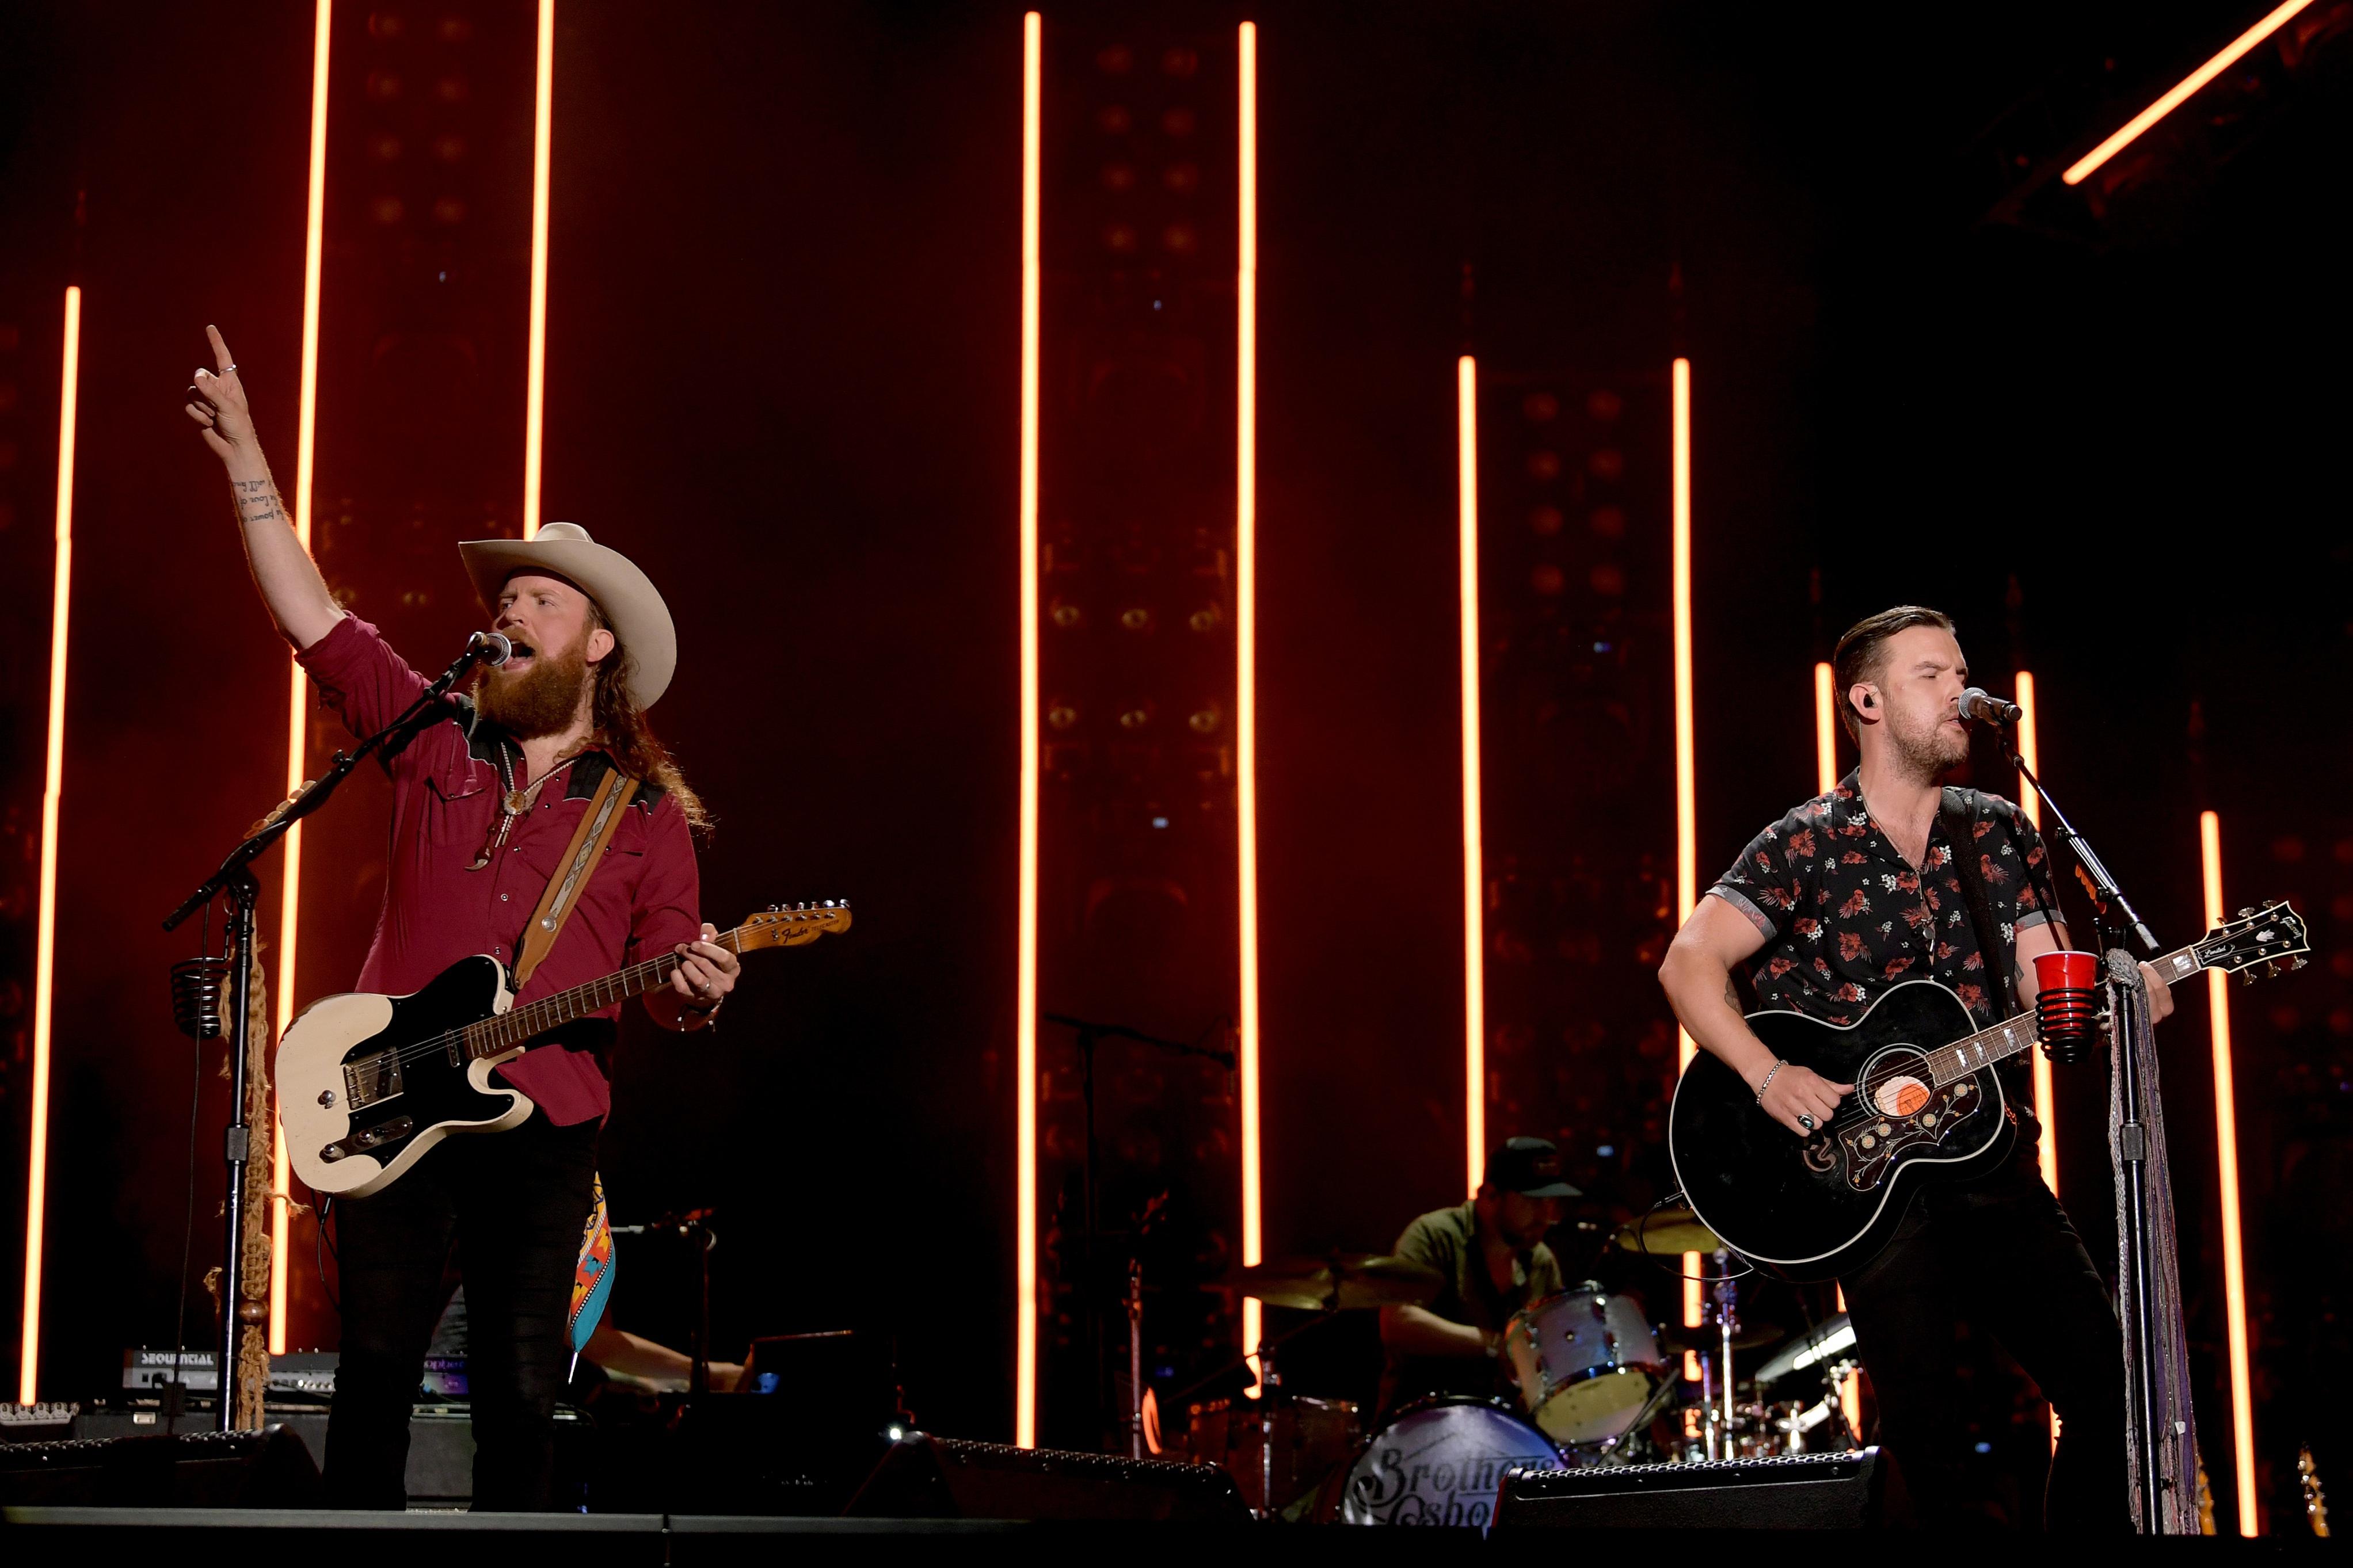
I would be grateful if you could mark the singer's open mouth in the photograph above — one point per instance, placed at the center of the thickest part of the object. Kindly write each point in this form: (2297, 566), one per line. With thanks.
(519, 653)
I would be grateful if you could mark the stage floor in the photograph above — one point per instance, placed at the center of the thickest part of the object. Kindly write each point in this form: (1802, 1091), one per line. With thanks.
(439, 1538)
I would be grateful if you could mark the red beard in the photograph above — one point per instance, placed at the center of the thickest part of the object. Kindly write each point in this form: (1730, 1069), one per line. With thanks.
(544, 699)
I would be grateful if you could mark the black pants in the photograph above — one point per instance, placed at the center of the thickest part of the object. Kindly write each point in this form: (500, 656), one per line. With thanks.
(2001, 1254)
(514, 1203)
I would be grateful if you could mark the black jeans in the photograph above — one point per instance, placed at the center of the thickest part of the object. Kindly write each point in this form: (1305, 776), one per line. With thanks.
(514, 1203)
(2001, 1254)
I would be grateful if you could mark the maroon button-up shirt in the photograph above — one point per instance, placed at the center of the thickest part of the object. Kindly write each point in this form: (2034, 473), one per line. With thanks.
(642, 900)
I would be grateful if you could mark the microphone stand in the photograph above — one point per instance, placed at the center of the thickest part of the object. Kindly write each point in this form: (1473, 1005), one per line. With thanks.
(2120, 925)
(1091, 1034)
(235, 878)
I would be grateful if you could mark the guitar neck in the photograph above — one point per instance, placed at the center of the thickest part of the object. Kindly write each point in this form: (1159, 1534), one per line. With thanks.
(511, 1028)
(2014, 1035)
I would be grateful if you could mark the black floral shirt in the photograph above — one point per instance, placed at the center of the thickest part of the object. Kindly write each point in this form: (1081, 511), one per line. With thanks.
(1845, 917)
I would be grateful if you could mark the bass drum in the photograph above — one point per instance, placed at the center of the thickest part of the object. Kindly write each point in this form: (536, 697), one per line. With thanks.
(1439, 1461)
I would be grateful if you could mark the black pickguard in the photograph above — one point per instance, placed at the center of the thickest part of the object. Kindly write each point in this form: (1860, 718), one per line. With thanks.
(1815, 1208)
(433, 1088)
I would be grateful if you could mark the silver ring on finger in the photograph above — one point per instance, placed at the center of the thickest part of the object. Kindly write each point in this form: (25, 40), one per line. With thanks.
(1806, 1123)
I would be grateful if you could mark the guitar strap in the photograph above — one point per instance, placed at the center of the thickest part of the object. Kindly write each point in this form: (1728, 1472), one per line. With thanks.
(597, 825)
(1959, 814)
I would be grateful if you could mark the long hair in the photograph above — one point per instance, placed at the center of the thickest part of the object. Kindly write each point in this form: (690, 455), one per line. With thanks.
(619, 725)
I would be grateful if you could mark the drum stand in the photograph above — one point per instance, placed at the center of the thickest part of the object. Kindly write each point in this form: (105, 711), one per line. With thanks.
(1134, 1358)
(1715, 1372)
(1269, 1392)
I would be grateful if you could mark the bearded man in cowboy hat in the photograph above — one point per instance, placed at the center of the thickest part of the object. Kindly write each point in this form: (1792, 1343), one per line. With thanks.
(486, 801)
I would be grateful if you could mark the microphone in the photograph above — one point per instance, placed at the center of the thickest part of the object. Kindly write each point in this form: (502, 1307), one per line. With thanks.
(1980, 708)
(494, 648)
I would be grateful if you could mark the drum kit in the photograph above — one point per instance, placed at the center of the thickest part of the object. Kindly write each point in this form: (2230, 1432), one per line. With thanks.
(1597, 1383)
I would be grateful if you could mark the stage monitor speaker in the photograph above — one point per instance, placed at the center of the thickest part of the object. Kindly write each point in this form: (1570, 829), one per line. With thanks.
(924, 1476)
(1790, 1492)
(269, 1469)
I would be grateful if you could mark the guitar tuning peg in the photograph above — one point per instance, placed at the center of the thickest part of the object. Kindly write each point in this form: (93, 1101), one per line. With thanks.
(2296, 963)
(2246, 977)
(2246, 914)
(774, 908)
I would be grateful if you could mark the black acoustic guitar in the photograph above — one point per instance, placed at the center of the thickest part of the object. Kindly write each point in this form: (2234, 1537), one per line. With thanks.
(1927, 1104)
(367, 1083)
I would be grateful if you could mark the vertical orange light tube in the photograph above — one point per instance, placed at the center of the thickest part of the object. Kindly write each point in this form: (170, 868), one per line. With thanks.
(1825, 730)
(1246, 661)
(2045, 1094)
(297, 695)
(2226, 1150)
(1687, 768)
(1826, 776)
(53, 781)
(1025, 942)
(535, 402)
(1474, 978)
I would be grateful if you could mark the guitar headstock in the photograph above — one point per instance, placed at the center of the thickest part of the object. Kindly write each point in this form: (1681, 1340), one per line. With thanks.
(2272, 936)
(792, 925)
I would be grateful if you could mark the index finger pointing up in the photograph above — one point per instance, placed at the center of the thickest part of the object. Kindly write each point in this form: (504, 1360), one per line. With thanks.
(222, 362)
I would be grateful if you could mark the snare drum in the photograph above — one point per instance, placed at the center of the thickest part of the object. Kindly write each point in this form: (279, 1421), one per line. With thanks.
(1440, 1461)
(1587, 1362)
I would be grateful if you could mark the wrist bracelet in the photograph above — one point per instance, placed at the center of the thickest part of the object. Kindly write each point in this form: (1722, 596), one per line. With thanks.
(1761, 1088)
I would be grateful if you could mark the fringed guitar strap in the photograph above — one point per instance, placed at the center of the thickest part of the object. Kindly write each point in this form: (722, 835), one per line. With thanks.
(597, 825)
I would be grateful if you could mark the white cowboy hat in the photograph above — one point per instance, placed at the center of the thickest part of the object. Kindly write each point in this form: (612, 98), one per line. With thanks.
(633, 607)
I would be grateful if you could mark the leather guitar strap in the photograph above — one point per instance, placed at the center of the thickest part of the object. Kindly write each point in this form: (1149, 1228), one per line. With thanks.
(1959, 815)
(597, 825)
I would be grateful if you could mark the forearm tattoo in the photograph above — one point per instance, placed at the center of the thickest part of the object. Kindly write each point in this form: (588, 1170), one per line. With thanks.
(257, 500)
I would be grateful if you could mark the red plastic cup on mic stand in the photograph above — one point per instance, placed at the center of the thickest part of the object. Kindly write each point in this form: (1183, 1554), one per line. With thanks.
(2066, 1003)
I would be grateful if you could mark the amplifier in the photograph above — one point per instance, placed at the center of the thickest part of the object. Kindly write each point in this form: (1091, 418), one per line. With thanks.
(924, 1476)
(269, 1469)
(145, 1370)
(1788, 1491)
(441, 1442)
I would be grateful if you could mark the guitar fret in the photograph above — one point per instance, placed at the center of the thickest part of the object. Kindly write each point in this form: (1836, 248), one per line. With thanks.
(490, 1036)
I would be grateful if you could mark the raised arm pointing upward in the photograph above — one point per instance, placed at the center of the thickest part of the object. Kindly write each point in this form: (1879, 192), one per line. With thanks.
(290, 582)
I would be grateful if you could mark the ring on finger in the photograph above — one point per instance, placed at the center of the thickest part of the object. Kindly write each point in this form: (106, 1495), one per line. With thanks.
(1806, 1123)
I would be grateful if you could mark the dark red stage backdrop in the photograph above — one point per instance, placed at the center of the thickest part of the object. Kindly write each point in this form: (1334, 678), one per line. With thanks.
(783, 343)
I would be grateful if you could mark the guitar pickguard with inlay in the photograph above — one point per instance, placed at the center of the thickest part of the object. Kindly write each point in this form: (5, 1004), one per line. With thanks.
(1913, 1116)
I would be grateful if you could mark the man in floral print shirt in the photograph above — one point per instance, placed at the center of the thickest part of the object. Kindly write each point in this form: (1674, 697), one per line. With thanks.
(1846, 916)
(1853, 893)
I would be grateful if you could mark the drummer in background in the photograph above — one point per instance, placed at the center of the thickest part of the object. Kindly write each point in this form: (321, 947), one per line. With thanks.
(1492, 1255)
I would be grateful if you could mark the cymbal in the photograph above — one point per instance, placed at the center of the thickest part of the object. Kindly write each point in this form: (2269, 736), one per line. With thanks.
(1708, 1338)
(1338, 1282)
(1666, 1232)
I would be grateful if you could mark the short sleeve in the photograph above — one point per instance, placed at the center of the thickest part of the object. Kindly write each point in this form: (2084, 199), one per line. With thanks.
(2034, 883)
(669, 909)
(1767, 879)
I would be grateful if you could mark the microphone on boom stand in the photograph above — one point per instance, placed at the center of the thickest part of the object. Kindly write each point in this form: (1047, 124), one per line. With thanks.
(1980, 707)
(495, 648)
